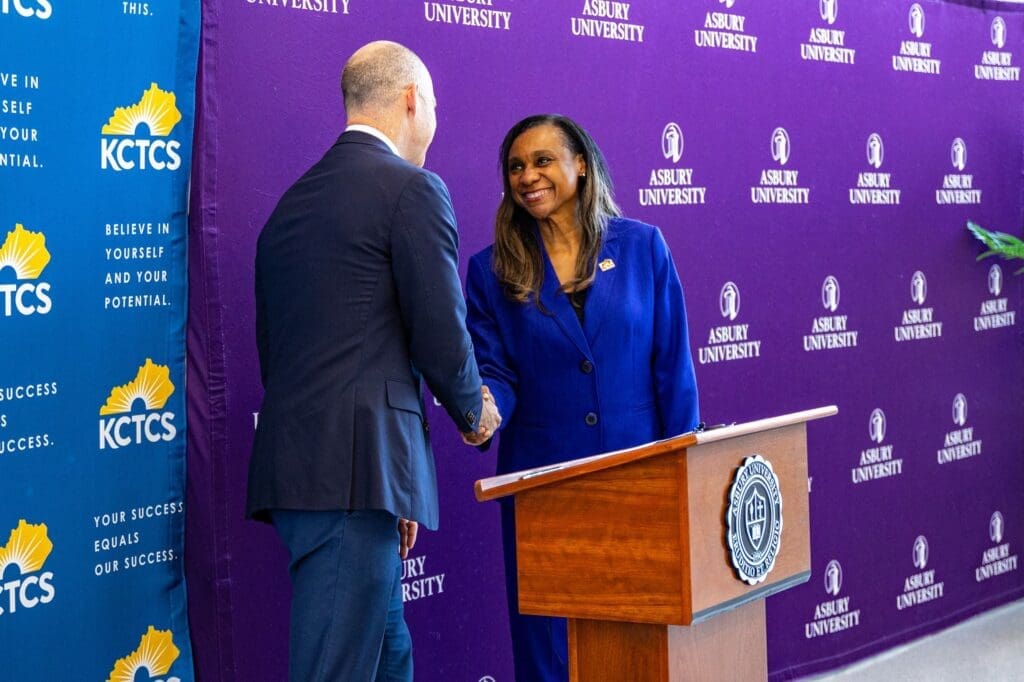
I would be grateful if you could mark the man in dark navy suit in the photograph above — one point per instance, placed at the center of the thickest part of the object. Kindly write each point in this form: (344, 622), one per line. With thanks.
(357, 300)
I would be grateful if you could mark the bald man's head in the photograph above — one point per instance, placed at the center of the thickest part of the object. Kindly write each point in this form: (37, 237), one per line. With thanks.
(376, 74)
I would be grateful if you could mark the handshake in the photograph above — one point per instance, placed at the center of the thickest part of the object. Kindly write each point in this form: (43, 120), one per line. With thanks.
(490, 420)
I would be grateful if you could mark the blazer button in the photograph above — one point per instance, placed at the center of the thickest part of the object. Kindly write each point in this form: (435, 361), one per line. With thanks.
(591, 419)
(586, 367)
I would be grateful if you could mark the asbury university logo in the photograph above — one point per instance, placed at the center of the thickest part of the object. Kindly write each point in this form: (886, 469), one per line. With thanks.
(120, 428)
(876, 425)
(825, 44)
(829, 10)
(958, 154)
(998, 32)
(877, 461)
(729, 341)
(835, 614)
(672, 186)
(960, 409)
(830, 332)
(995, 528)
(997, 65)
(915, 56)
(830, 294)
(959, 443)
(997, 559)
(155, 654)
(921, 587)
(916, 20)
(958, 187)
(995, 280)
(833, 578)
(918, 288)
(921, 552)
(135, 136)
(40, 9)
(24, 253)
(725, 30)
(778, 186)
(729, 301)
(780, 146)
(994, 312)
(672, 142)
(876, 150)
(874, 186)
(754, 519)
(27, 585)
(918, 323)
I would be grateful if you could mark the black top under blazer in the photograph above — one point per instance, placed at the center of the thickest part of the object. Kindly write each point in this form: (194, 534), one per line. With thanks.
(358, 298)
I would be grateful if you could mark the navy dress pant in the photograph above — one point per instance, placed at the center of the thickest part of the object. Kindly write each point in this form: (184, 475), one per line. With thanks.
(347, 620)
(540, 644)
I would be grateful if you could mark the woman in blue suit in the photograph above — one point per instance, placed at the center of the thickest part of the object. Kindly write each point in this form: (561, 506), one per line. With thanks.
(579, 328)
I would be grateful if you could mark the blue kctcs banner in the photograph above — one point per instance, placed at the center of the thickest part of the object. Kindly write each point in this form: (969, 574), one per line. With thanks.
(97, 102)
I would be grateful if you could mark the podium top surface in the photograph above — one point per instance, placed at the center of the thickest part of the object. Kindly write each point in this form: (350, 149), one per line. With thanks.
(519, 481)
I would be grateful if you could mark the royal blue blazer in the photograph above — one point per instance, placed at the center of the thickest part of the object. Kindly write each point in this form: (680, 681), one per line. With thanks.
(623, 378)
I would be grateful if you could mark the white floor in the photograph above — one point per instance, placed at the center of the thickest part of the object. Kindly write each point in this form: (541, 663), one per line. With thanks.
(987, 647)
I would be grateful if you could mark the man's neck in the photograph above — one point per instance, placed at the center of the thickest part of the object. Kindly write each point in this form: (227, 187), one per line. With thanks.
(375, 129)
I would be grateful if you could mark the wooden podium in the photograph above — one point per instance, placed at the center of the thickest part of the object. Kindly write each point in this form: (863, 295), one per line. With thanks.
(632, 547)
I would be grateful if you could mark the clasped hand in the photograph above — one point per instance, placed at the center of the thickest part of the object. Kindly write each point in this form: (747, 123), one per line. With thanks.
(490, 420)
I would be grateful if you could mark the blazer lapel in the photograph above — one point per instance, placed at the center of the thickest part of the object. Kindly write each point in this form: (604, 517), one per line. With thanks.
(559, 307)
(604, 287)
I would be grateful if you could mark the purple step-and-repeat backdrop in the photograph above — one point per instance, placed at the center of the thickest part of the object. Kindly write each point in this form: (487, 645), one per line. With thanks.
(812, 164)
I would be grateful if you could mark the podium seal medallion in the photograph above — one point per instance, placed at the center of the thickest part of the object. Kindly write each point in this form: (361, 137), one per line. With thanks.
(754, 519)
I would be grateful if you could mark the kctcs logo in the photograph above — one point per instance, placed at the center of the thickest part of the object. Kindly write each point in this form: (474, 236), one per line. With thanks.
(155, 654)
(40, 9)
(152, 385)
(25, 254)
(133, 149)
(27, 586)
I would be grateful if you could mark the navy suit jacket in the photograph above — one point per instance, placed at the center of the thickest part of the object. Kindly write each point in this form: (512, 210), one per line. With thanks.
(622, 379)
(358, 298)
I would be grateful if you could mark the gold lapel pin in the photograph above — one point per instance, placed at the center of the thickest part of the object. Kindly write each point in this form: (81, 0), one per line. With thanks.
(606, 265)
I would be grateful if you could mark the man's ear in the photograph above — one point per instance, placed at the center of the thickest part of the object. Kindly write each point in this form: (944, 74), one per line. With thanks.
(411, 98)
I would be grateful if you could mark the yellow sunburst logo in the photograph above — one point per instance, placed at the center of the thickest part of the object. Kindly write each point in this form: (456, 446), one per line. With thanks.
(156, 653)
(156, 108)
(27, 547)
(152, 384)
(25, 252)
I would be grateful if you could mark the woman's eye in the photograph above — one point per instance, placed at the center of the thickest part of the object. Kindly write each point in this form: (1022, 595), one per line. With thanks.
(543, 161)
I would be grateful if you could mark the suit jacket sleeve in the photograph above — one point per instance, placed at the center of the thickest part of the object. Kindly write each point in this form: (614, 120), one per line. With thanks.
(491, 355)
(674, 379)
(424, 252)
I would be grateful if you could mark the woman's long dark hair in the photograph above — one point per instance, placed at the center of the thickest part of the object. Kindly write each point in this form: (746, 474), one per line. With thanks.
(518, 260)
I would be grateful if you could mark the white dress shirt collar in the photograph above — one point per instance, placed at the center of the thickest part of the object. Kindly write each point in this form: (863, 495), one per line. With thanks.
(370, 130)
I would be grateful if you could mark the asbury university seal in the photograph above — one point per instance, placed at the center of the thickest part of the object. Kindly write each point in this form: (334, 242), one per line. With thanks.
(754, 519)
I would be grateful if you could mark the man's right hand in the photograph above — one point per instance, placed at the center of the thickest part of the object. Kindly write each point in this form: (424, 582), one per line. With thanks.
(490, 420)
